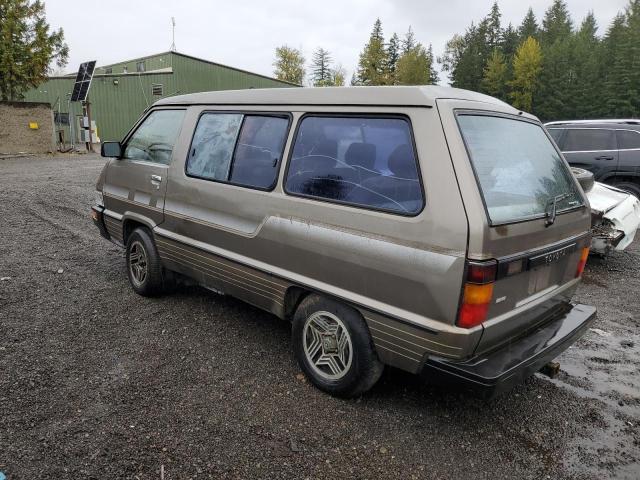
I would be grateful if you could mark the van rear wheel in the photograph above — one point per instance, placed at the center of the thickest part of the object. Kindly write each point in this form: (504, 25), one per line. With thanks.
(144, 268)
(333, 347)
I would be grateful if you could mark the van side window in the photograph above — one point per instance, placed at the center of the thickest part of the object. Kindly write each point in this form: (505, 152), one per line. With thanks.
(239, 149)
(588, 139)
(368, 162)
(212, 145)
(258, 151)
(155, 138)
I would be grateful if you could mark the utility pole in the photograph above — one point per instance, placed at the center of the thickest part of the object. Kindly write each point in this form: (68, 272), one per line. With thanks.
(173, 34)
(71, 122)
(87, 106)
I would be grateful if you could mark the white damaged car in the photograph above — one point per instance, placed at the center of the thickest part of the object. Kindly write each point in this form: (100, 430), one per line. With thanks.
(615, 214)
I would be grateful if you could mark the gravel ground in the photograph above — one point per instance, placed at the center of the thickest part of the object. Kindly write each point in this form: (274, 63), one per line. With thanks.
(97, 382)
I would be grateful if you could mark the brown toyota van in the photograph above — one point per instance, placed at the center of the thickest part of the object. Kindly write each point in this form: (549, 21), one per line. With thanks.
(435, 230)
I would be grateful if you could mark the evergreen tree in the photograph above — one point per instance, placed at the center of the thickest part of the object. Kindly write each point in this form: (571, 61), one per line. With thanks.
(587, 59)
(510, 41)
(27, 47)
(612, 68)
(555, 99)
(433, 74)
(494, 31)
(630, 60)
(373, 59)
(289, 65)
(409, 41)
(529, 26)
(556, 24)
(321, 73)
(415, 67)
(494, 81)
(393, 54)
(556, 96)
(468, 71)
(526, 70)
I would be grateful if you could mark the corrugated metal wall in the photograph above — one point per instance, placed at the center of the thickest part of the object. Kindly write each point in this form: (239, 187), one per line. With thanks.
(118, 100)
(154, 62)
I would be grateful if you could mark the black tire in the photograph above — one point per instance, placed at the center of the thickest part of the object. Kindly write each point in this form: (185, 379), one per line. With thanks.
(153, 283)
(630, 187)
(585, 178)
(364, 368)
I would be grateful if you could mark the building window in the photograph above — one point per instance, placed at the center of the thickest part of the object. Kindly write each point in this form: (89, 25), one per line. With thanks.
(61, 118)
(156, 89)
(365, 162)
(125, 70)
(108, 70)
(140, 66)
(240, 149)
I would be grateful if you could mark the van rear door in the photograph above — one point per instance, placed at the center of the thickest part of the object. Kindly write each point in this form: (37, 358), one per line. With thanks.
(526, 213)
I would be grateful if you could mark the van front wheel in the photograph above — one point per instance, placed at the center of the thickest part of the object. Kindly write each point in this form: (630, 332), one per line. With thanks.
(334, 348)
(144, 268)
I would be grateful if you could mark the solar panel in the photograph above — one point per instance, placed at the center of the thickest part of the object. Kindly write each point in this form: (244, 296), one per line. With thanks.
(83, 81)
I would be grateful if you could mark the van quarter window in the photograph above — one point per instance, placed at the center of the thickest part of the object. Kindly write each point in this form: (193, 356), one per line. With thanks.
(155, 138)
(368, 162)
(239, 149)
(519, 171)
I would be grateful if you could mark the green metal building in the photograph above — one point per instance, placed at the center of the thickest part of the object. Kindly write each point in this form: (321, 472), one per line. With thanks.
(120, 92)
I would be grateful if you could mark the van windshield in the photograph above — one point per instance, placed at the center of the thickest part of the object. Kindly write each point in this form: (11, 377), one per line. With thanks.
(520, 173)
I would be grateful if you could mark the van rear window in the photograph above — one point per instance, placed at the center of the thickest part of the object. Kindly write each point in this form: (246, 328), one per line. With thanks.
(518, 169)
(367, 162)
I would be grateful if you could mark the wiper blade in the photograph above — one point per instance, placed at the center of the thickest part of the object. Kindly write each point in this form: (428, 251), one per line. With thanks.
(551, 215)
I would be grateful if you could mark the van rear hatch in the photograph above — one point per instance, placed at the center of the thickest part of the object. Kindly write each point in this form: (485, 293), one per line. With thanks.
(528, 225)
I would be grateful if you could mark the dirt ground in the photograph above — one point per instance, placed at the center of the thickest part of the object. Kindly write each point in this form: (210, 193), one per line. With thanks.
(97, 382)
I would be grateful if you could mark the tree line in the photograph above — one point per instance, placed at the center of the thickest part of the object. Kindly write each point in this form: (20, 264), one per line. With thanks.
(396, 62)
(554, 69)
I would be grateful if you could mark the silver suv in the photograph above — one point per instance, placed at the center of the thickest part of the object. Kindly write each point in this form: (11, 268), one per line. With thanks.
(608, 148)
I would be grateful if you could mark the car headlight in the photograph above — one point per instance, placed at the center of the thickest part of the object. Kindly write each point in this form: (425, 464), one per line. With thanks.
(99, 199)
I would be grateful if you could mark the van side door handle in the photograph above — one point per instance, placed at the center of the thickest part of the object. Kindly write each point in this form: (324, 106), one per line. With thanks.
(605, 157)
(155, 181)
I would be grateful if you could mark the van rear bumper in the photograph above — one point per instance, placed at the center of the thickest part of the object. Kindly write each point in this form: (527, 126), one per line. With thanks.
(500, 370)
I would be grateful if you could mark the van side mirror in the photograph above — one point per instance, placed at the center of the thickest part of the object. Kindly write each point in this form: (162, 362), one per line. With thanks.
(111, 149)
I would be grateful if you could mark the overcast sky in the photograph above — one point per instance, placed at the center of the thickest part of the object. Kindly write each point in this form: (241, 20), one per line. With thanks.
(244, 34)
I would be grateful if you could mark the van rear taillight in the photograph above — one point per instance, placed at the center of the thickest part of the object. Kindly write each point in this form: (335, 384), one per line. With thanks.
(477, 293)
(583, 261)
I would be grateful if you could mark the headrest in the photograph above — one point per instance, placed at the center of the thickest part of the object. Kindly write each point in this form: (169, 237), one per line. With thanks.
(402, 162)
(361, 154)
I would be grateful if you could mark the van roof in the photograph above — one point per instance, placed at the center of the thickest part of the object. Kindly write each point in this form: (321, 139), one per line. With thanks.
(424, 96)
